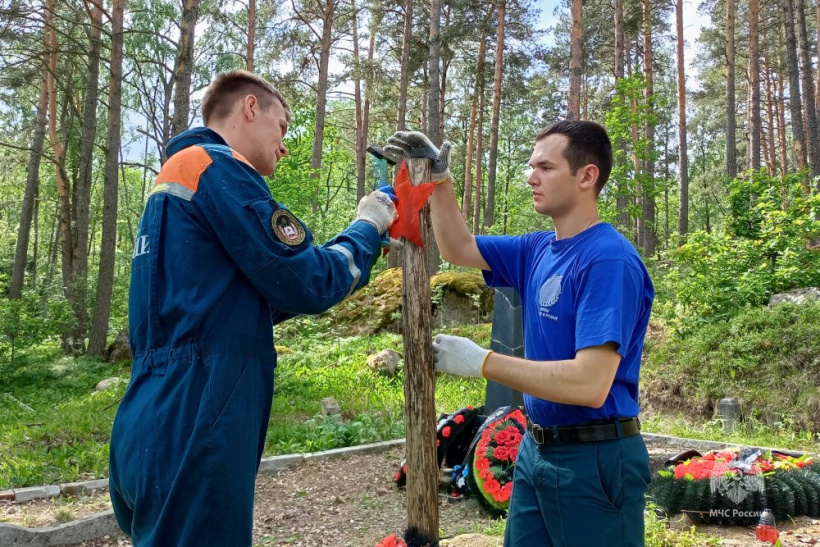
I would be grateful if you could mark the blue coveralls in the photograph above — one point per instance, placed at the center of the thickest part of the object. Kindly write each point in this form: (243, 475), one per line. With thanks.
(217, 262)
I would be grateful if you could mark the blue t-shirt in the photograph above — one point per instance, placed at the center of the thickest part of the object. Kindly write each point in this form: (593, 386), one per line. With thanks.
(576, 293)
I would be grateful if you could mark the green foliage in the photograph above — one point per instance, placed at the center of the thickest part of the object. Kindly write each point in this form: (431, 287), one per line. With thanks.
(659, 533)
(783, 432)
(763, 251)
(54, 427)
(629, 109)
(767, 358)
(29, 321)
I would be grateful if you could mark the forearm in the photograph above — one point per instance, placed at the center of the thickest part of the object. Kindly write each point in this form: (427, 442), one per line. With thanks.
(455, 242)
(584, 380)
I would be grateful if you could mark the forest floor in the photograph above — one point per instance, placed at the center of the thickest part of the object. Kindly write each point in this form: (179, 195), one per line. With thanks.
(351, 502)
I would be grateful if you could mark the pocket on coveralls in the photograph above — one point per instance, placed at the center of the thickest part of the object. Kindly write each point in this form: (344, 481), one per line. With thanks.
(225, 374)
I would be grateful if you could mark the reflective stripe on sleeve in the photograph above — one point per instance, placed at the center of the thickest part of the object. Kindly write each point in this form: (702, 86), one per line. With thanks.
(178, 190)
(351, 265)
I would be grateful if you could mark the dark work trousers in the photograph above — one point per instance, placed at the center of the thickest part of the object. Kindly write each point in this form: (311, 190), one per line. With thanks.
(579, 495)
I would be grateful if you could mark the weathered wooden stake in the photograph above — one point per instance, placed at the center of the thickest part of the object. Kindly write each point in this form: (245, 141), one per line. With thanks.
(419, 381)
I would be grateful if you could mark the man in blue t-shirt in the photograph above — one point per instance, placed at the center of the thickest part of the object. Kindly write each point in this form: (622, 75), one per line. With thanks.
(583, 469)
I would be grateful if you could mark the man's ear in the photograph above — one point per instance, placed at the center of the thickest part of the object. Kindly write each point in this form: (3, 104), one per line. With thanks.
(250, 105)
(589, 176)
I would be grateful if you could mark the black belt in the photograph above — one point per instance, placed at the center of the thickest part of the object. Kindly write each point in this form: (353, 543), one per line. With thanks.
(587, 433)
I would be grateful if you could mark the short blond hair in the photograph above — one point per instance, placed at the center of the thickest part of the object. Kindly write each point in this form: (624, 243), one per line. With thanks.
(229, 87)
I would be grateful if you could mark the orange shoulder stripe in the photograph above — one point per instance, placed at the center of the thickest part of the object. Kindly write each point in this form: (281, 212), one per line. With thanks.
(185, 168)
(240, 157)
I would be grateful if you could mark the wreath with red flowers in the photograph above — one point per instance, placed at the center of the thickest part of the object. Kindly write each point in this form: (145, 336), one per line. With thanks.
(493, 458)
(732, 486)
(454, 434)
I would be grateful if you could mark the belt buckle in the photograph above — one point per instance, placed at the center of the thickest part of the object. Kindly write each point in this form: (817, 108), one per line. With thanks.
(537, 433)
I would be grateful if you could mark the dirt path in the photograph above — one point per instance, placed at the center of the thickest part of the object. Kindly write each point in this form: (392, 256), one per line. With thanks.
(351, 502)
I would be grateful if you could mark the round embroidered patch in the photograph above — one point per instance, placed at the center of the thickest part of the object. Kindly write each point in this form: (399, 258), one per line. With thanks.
(287, 229)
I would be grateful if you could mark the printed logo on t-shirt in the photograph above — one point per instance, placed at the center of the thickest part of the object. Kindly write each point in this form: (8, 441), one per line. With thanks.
(548, 295)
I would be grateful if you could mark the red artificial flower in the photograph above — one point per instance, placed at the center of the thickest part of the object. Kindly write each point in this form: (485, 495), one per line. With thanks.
(502, 453)
(392, 541)
(438, 442)
(459, 419)
(446, 431)
(491, 485)
(398, 476)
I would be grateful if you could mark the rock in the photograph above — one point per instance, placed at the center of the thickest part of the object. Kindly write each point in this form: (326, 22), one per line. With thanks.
(472, 540)
(330, 407)
(119, 350)
(107, 383)
(796, 296)
(385, 362)
(458, 298)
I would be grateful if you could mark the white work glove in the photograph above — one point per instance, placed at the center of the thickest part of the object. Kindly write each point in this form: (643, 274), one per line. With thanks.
(459, 356)
(377, 209)
(415, 144)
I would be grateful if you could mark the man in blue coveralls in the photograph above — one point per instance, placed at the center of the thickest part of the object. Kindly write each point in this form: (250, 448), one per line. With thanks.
(217, 262)
(583, 469)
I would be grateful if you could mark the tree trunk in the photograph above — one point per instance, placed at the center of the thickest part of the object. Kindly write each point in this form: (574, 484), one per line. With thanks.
(780, 106)
(731, 123)
(184, 68)
(576, 48)
(361, 145)
(650, 238)
(433, 72)
(82, 186)
(18, 272)
(434, 110)
(478, 157)
(63, 191)
(466, 201)
(419, 384)
(249, 52)
(683, 161)
(622, 200)
(619, 39)
(794, 88)
(770, 118)
(108, 240)
(817, 90)
(754, 86)
(489, 207)
(328, 10)
(405, 64)
(812, 138)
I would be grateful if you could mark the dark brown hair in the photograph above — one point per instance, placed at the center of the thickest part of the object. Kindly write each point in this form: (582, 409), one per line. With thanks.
(588, 144)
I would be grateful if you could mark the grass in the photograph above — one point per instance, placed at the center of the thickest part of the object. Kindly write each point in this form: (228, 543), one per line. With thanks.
(751, 432)
(55, 428)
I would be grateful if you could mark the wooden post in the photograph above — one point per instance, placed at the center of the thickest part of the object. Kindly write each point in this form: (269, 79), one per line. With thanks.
(419, 382)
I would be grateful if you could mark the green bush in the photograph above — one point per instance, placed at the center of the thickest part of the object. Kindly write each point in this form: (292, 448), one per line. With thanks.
(763, 251)
(769, 359)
